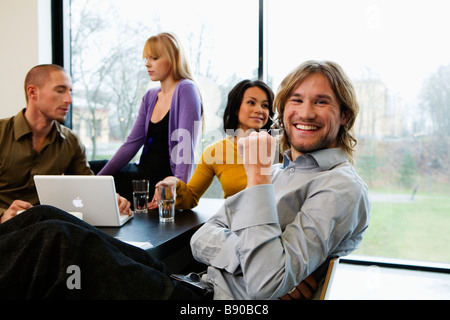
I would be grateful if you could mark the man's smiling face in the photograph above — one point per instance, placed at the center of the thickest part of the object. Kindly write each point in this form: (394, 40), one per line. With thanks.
(312, 116)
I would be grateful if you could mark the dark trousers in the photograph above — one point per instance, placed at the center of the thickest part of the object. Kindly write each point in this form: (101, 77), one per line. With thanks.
(44, 250)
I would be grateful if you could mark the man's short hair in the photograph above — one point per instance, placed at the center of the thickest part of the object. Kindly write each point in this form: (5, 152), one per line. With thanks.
(39, 74)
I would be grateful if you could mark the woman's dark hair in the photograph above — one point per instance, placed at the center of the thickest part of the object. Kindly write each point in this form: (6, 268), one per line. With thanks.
(230, 115)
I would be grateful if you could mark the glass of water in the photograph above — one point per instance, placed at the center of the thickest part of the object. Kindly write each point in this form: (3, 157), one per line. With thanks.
(140, 195)
(167, 203)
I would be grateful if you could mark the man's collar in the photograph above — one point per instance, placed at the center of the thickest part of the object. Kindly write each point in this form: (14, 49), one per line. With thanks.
(329, 158)
(325, 158)
(21, 127)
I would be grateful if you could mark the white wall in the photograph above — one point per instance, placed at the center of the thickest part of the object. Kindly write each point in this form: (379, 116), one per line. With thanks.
(25, 42)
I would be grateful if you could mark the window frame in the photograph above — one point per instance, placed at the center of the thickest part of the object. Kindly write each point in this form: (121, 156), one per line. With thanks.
(61, 51)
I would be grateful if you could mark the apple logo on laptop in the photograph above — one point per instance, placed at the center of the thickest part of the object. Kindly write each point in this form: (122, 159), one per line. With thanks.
(78, 203)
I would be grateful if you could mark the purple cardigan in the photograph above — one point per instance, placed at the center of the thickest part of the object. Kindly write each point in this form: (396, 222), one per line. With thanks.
(185, 122)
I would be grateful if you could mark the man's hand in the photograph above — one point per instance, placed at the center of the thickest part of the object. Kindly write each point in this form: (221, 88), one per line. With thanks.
(257, 151)
(167, 182)
(17, 205)
(124, 205)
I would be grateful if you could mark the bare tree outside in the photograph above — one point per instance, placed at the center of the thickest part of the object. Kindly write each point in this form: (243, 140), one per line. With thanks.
(91, 99)
(436, 100)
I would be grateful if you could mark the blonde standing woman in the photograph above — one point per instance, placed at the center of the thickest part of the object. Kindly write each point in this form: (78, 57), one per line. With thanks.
(169, 122)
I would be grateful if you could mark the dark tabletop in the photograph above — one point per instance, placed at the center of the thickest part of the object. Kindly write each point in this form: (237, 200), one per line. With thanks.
(167, 237)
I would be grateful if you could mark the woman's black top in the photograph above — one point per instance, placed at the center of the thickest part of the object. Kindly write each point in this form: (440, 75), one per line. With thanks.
(154, 164)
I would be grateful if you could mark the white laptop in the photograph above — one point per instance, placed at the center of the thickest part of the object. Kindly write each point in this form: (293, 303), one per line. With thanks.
(93, 196)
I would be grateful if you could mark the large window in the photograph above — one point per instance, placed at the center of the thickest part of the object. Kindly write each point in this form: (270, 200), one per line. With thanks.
(107, 39)
(396, 52)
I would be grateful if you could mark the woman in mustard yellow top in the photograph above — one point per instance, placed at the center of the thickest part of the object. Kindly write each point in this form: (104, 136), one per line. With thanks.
(249, 107)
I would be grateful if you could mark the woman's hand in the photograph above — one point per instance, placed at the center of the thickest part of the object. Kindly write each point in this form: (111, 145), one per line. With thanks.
(167, 182)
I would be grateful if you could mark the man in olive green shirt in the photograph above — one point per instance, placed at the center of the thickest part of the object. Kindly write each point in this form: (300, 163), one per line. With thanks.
(34, 142)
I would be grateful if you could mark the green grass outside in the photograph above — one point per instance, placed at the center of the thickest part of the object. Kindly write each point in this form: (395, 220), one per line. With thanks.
(416, 229)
